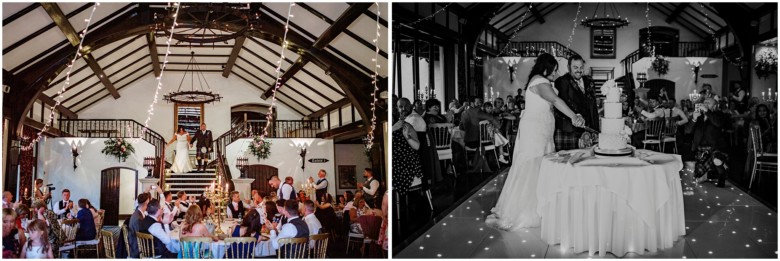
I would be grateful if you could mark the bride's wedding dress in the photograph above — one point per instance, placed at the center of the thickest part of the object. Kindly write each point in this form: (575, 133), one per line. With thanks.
(181, 162)
(516, 206)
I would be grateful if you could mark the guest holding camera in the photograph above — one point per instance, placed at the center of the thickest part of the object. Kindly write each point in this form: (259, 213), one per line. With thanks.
(709, 142)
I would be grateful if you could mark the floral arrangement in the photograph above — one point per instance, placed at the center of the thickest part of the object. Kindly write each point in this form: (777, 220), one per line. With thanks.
(118, 148)
(626, 134)
(766, 63)
(660, 65)
(261, 148)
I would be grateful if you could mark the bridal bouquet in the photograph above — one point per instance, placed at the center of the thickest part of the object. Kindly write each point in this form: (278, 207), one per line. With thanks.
(660, 65)
(118, 148)
(766, 64)
(260, 148)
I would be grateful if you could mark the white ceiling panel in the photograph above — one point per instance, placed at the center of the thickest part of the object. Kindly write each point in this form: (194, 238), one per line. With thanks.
(271, 55)
(77, 105)
(30, 22)
(68, 7)
(80, 63)
(254, 71)
(142, 57)
(201, 66)
(32, 48)
(74, 89)
(10, 9)
(331, 10)
(102, 11)
(306, 91)
(314, 69)
(112, 46)
(359, 53)
(365, 27)
(314, 83)
(382, 10)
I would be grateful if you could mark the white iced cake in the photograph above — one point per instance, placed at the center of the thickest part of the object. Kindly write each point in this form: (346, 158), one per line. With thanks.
(612, 124)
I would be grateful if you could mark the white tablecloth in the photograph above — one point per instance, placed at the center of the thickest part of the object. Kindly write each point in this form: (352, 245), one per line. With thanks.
(616, 209)
(218, 248)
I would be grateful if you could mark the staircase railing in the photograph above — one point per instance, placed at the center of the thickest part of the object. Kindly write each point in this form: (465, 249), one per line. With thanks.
(682, 49)
(112, 128)
(535, 48)
(279, 129)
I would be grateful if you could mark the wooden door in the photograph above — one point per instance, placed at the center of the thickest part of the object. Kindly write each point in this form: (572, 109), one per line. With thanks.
(109, 195)
(261, 174)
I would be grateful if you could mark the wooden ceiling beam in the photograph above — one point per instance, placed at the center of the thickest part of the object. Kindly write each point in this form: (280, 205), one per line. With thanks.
(233, 55)
(333, 106)
(539, 16)
(63, 23)
(151, 41)
(676, 13)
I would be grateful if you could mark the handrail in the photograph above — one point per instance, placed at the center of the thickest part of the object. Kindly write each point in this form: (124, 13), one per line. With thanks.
(112, 128)
(279, 129)
(682, 49)
(535, 48)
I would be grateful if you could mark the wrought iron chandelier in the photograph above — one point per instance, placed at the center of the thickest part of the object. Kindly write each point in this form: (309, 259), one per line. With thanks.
(193, 96)
(609, 18)
(201, 23)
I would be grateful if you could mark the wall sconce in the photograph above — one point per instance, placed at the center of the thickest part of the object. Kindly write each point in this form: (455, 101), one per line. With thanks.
(149, 165)
(75, 152)
(241, 163)
(303, 156)
(696, 68)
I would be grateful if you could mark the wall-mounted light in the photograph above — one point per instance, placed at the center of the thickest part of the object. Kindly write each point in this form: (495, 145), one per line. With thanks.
(149, 165)
(241, 163)
(74, 150)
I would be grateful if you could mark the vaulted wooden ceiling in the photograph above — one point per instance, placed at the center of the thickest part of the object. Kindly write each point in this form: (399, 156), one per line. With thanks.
(34, 31)
(687, 15)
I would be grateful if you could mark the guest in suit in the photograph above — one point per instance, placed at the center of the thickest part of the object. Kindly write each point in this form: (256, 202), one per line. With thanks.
(469, 122)
(64, 208)
(87, 230)
(370, 187)
(295, 227)
(321, 186)
(167, 204)
(182, 203)
(312, 222)
(236, 208)
(578, 93)
(203, 141)
(709, 143)
(135, 223)
(158, 225)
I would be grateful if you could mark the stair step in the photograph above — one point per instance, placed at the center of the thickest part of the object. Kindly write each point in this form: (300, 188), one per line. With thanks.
(189, 179)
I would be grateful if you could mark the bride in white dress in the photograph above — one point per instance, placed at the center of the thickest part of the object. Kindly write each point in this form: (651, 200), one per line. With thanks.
(516, 206)
(181, 161)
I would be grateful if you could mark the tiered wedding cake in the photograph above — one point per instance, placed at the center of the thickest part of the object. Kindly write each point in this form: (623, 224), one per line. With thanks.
(613, 128)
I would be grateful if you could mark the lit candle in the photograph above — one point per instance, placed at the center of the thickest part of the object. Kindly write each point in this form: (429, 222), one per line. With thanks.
(226, 187)
(762, 96)
(25, 191)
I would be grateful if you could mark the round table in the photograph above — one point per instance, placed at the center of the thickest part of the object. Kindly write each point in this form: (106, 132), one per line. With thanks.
(218, 248)
(595, 205)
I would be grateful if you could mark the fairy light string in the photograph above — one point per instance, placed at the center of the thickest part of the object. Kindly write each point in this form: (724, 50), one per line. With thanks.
(427, 17)
(648, 44)
(574, 26)
(738, 61)
(374, 79)
(278, 83)
(66, 83)
(516, 31)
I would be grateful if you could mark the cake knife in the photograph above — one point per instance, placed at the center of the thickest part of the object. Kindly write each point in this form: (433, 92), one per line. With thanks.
(588, 129)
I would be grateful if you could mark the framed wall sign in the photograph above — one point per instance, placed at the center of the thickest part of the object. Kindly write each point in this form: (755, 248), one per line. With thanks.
(347, 178)
(603, 43)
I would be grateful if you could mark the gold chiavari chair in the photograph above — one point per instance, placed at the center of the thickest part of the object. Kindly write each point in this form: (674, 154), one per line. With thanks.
(68, 230)
(127, 238)
(108, 244)
(240, 247)
(293, 248)
(320, 245)
(194, 247)
(145, 245)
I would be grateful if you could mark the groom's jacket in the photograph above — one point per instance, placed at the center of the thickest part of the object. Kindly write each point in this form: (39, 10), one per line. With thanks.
(579, 102)
(202, 139)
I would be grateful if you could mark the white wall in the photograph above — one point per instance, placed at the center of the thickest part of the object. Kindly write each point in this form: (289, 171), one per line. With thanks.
(762, 85)
(496, 74)
(681, 74)
(285, 156)
(127, 191)
(55, 166)
(135, 100)
(559, 23)
(352, 154)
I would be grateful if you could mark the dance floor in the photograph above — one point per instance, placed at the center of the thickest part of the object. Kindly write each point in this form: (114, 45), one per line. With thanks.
(720, 223)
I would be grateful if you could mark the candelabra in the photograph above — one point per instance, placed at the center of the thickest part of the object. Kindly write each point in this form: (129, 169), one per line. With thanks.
(694, 96)
(308, 188)
(641, 78)
(768, 97)
(149, 165)
(493, 95)
(241, 163)
(426, 94)
(218, 199)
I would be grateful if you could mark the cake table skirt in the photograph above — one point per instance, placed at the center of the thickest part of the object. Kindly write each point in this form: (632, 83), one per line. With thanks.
(612, 209)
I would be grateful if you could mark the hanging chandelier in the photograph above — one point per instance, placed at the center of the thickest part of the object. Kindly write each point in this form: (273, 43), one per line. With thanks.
(202, 23)
(610, 17)
(193, 96)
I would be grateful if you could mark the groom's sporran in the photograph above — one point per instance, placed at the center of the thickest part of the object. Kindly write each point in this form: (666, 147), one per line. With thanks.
(203, 141)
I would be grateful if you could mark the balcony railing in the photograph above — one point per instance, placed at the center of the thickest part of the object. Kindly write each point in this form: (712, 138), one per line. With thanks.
(279, 129)
(681, 49)
(534, 49)
(110, 128)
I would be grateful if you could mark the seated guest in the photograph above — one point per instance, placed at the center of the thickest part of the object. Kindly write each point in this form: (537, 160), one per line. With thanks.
(709, 143)
(205, 205)
(50, 219)
(282, 215)
(22, 216)
(193, 223)
(675, 112)
(37, 247)
(657, 111)
(167, 204)
(326, 214)
(250, 227)
(706, 92)
(361, 209)
(12, 236)
(182, 203)
(95, 214)
(135, 223)
(418, 107)
(256, 201)
(453, 112)
(433, 112)
(348, 201)
(271, 213)
(8, 200)
(158, 225)
(86, 230)
(341, 203)
(295, 227)
(498, 139)
(302, 196)
(314, 225)
(236, 208)
(64, 208)
(406, 159)
(470, 123)
(767, 125)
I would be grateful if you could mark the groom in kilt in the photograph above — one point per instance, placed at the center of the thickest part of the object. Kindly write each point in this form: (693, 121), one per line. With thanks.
(579, 94)
(203, 145)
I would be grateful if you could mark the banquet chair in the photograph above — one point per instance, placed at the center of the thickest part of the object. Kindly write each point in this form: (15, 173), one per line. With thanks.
(145, 245)
(195, 247)
(99, 222)
(293, 248)
(68, 230)
(371, 226)
(415, 186)
(669, 134)
(485, 141)
(440, 138)
(320, 245)
(357, 238)
(653, 133)
(762, 161)
(88, 245)
(511, 131)
(108, 244)
(240, 247)
(127, 238)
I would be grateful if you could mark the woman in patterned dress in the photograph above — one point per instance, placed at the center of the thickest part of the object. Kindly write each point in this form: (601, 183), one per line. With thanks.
(406, 160)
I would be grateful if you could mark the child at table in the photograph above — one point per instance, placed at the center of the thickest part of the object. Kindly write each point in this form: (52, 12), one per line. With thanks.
(37, 246)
